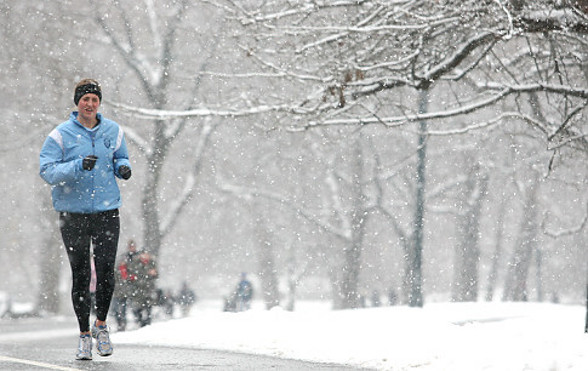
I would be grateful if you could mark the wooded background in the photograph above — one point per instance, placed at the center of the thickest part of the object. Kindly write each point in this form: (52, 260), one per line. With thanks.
(329, 148)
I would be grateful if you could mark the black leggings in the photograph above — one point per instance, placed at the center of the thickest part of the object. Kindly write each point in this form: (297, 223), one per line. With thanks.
(77, 231)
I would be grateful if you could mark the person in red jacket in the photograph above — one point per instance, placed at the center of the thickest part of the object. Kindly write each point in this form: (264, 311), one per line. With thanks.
(124, 286)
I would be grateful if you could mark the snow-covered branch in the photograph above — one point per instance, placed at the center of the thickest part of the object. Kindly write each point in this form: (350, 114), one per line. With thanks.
(147, 113)
(462, 52)
(442, 68)
(337, 207)
(500, 119)
(132, 136)
(256, 17)
(247, 194)
(178, 204)
(578, 92)
(285, 72)
(568, 231)
(565, 19)
(402, 120)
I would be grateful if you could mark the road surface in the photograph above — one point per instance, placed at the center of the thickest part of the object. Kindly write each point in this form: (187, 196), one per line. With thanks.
(50, 344)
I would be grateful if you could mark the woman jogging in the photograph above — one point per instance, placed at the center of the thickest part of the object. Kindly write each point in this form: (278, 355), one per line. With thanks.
(81, 159)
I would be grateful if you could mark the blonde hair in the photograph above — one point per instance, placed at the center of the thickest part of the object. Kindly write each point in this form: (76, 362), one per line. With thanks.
(87, 82)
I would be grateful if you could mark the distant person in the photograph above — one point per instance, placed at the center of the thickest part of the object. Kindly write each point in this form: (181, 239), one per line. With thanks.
(143, 274)
(244, 293)
(120, 297)
(123, 286)
(132, 251)
(392, 297)
(166, 301)
(230, 302)
(186, 299)
(81, 159)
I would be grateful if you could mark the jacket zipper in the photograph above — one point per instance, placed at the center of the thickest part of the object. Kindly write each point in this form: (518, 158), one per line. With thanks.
(93, 194)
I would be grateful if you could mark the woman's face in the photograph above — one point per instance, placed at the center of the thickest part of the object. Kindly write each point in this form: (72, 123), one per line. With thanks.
(88, 106)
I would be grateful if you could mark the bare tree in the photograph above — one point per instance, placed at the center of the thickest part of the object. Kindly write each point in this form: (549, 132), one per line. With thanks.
(26, 28)
(48, 296)
(345, 56)
(266, 242)
(341, 54)
(343, 213)
(467, 249)
(495, 69)
(498, 251)
(516, 285)
(155, 73)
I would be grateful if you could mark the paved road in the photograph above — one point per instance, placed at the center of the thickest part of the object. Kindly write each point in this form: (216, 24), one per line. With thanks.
(40, 344)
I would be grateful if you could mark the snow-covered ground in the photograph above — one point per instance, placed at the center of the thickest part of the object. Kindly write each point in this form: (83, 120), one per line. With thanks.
(453, 336)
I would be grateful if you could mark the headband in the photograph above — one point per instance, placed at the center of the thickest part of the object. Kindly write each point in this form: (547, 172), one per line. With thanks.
(91, 88)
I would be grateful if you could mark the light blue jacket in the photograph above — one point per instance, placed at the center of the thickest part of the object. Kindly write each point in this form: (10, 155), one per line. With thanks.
(77, 190)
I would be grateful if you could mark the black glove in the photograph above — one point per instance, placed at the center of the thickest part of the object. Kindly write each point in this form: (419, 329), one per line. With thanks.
(89, 162)
(125, 172)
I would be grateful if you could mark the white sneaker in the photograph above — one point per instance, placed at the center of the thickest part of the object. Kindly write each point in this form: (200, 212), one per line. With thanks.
(103, 344)
(84, 348)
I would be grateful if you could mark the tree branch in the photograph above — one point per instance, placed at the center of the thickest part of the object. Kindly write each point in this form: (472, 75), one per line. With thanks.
(177, 206)
(569, 231)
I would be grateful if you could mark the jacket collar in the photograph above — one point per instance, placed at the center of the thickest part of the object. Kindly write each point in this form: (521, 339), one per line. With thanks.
(74, 117)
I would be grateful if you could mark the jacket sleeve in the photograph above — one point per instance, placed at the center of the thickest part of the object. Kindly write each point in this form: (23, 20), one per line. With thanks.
(121, 154)
(52, 167)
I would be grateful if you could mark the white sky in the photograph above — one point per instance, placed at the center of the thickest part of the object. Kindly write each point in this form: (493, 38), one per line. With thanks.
(457, 336)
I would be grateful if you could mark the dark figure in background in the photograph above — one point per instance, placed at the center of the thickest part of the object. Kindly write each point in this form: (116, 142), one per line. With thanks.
(186, 299)
(362, 303)
(166, 301)
(81, 159)
(119, 300)
(375, 298)
(244, 293)
(143, 274)
(230, 302)
(392, 297)
(123, 286)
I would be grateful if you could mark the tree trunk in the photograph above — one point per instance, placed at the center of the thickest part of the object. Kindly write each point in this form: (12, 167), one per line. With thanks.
(336, 283)
(150, 211)
(413, 273)
(345, 282)
(291, 300)
(152, 233)
(267, 273)
(517, 276)
(267, 267)
(352, 251)
(493, 275)
(538, 273)
(586, 323)
(467, 254)
(295, 271)
(48, 296)
(349, 282)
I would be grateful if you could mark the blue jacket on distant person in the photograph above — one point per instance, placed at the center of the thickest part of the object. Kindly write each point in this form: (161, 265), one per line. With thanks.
(61, 165)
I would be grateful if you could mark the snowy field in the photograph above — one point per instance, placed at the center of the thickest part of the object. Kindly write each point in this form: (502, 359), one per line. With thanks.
(456, 337)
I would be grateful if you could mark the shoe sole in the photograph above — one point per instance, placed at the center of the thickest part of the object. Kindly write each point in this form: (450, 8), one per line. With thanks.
(106, 352)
